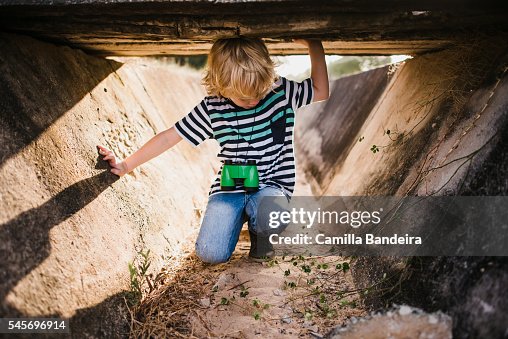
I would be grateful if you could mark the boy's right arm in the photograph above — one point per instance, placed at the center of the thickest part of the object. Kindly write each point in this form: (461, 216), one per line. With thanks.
(154, 147)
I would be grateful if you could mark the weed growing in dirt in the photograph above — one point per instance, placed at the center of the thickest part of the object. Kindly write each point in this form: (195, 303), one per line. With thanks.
(138, 277)
(393, 135)
(244, 292)
(312, 286)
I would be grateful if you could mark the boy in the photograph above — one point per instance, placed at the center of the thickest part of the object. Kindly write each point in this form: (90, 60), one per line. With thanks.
(250, 112)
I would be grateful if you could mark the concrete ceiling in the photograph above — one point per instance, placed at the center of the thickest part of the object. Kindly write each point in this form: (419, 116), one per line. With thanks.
(362, 27)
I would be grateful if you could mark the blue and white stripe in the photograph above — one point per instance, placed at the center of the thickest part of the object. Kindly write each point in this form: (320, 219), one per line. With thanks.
(245, 134)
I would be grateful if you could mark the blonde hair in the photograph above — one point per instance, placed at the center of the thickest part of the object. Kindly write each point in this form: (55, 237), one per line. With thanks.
(240, 67)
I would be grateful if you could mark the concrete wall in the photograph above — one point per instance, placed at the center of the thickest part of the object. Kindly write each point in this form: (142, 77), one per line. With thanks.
(326, 132)
(447, 114)
(68, 227)
(422, 106)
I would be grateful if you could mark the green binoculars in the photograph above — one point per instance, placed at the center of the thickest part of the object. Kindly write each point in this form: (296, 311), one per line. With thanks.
(241, 174)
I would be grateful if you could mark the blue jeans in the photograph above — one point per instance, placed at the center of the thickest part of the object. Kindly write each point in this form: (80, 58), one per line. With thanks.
(223, 220)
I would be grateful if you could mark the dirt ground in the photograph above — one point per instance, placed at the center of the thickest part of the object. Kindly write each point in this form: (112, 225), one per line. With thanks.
(284, 297)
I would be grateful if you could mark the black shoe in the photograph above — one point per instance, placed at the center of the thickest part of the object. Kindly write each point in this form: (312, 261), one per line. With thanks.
(260, 247)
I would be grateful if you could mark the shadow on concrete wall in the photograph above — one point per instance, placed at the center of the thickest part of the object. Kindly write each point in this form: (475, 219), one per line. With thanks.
(39, 83)
(24, 240)
(34, 93)
(91, 322)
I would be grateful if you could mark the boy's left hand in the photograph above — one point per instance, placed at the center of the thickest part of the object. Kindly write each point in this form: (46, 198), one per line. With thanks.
(319, 73)
(303, 42)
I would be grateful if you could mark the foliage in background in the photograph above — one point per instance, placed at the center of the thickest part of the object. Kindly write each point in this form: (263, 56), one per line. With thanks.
(349, 65)
(345, 66)
(196, 62)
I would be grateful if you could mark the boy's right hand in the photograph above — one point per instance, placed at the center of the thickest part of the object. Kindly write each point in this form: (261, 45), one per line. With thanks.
(117, 167)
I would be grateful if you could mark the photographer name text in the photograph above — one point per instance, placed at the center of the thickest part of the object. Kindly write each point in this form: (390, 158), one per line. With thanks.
(346, 239)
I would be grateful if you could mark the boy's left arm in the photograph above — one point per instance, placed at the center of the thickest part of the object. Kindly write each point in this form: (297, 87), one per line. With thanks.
(319, 72)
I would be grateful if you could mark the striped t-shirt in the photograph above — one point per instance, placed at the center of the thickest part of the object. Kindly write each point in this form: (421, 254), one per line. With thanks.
(263, 133)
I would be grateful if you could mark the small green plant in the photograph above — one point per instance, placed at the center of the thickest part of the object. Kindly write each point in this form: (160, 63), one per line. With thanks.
(393, 135)
(319, 286)
(244, 292)
(272, 263)
(306, 268)
(290, 284)
(224, 301)
(256, 303)
(331, 314)
(308, 315)
(345, 266)
(345, 303)
(138, 276)
(135, 284)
